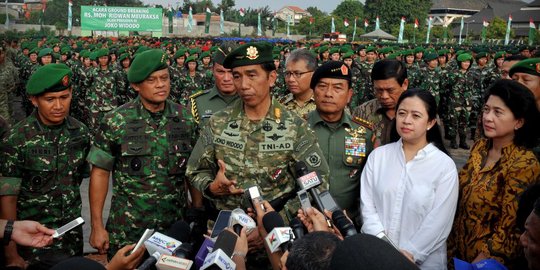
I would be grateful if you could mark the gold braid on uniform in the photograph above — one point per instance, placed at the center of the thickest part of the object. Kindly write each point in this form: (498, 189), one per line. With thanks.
(363, 122)
(194, 109)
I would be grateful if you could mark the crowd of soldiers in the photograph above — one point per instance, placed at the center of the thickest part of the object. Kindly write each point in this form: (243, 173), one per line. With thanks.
(143, 149)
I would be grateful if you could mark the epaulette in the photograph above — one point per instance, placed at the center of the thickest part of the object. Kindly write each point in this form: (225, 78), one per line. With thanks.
(194, 109)
(363, 122)
(285, 99)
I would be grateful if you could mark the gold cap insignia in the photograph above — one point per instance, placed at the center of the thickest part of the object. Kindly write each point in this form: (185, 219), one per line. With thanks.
(252, 53)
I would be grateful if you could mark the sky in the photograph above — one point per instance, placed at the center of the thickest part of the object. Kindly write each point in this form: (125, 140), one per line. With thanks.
(275, 5)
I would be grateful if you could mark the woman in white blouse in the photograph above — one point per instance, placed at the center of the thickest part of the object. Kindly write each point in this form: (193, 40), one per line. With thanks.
(409, 188)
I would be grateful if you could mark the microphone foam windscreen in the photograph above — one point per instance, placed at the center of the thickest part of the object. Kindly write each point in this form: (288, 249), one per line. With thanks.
(272, 220)
(300, 168)
(180, 231)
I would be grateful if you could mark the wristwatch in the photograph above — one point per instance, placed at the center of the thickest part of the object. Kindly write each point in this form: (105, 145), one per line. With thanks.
(7, 232)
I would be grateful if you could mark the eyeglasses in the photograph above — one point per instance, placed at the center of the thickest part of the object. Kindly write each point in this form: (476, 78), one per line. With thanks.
(296, 74)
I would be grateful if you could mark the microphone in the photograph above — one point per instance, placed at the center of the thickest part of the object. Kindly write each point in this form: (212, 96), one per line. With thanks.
(205, 248)
(344, 225)
(168, 262)
(308, 181)
(239, 217)
(159, 244)
(220, 258)
(279, 236)
(298, 228)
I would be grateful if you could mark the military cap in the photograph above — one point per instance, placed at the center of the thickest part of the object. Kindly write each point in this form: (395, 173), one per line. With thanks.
(323, 49)
(49, 78)
(348, 54)
(65, 50)
(145, 64)
(500, 54)
(223, 51)
(205, 54)
(480, 55)
(430, 56)
(408, 52)
(84, 53)
(141, 49)
(46, 51)
(123, 56)
(361, 47)
(334, 50)
(392, 56)
(464, 57)
(191, 58)
(442, 52)
(371, 49)
(179, 53)
(386, 50)
(331, 69)
(529, 66)
(418, 49)
(249, 54)
(102, 52)
(194, 51)
(276, 56)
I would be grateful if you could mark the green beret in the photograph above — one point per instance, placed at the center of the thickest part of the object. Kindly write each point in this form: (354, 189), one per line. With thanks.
(84, 54)
(464, 57)
(529, 66)
(442, 52)
(179, 53)
(249, 54)
(49, 78)
(123, 56)
(46, 51)
(223, 51)
(331, 69)
(430, 56)
(349, 54)
(276, 56)
(102, 52)
(65, 50)
(145, 64)
(194, 51)
(205, 54)
(418, 49)
(191, 58)
(334, 50)
(371, 49)
(500, 54)
(480, 55)
(392, 56)
(386, 50)
(92, 56)
(122, 50)
(361, 47)
(408, 52)
(141, 49)
(323, 49)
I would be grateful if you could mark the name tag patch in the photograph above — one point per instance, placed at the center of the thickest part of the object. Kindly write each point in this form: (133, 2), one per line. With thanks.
(237, 145)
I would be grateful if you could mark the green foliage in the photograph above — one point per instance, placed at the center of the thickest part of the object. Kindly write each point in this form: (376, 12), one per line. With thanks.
(226, 5)
(349, 9)
(3, 19)
(390, 12)
(315, 12)
(198, 7)
(497, 29)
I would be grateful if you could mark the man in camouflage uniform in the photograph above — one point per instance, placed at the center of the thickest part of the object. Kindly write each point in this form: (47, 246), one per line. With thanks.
(102, 87)
(365, 92)
(346, 141)
(145, 145)
(253, 142)
(8, 83)
(300, 66)
(389, 82)
(482, 75)
(279, 90)
(356, 78)
(430, 76)
(205, 103)
(42, 163)
(191, 80)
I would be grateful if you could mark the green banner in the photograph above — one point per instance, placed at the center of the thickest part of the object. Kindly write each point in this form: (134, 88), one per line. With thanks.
(121, 18)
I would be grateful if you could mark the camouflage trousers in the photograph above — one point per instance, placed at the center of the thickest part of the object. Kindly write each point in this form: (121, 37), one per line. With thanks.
(459, 122)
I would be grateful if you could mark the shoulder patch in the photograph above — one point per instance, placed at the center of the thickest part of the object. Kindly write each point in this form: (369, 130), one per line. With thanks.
(363, 122)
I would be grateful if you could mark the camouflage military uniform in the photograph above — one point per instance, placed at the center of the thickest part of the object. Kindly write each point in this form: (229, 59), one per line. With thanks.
(365, 92)
(261, 153)
(280, 88)
(430, 80)
(482, 78)
(146, 153)
(373, 112)
(205, 103)
(126, 94)
(44, 166)
(4, 128)
(9, 78)
(102, 91)
(79, 108)
(346, 146)
(460, 86)
(176, 84)
(356, 83)
(191, 85)
(414, 75)
(302, 111)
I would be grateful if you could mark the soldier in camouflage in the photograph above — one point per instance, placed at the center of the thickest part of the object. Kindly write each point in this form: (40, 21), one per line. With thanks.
(430, 76)
(8, 85)
(356, 79)
(482, 75)
(145, 144)
(191, 80)
(279, 90)
(42, 163)
(365, 92)
(253, 142)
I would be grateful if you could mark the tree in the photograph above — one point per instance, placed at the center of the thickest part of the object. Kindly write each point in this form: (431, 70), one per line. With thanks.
(349, 9)
(315, 12)
(497, 29)
(198, 7)
(226, 5)
(390, 12)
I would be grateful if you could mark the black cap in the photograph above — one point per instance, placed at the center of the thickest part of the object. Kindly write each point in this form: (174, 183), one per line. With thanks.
(331, 69)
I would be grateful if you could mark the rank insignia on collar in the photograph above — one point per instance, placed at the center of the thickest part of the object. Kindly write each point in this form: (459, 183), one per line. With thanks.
(252, 53)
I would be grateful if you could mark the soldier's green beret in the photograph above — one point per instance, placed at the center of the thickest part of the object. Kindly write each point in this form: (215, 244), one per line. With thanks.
(500, 54)
(361, 47)
(480, 55)
(276, 56)
(392, 56)
(92, 56)
(418, 49)
(371, 49)
(46, 51)
(334, 50)
(430, 56)
(348, 54)
(179, 53)
(102, 52)
(331, 69)
(56, 55)
(529, 66)
(122, 50)
(249, 54)
(323, 49)
(145, 64)
(408, 52)
(276, 50)
(442, 52)
(141, 49)
(464, 57)
(386, 50)
(191, 58)
(205, 54)
(49, 78)
(194, 51)
(123, 56)
(84, 54)
(223, 51)
(65, 50)
(25, 45)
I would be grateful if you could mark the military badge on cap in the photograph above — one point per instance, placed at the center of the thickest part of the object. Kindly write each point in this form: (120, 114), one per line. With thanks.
(65, 81)
(538, 67)
(344, 70)
(252, 53)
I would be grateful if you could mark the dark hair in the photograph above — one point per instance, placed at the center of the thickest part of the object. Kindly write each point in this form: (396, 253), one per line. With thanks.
(536, 209)
(387, 69)
(515, 57)
(312, 252)
(529, 201)
(520, 100)
(268, 66)
(434, 133)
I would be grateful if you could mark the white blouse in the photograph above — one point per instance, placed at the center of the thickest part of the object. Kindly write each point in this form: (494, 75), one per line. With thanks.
(412, 202)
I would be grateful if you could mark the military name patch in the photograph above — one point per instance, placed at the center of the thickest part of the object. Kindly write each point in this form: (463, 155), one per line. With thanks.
(41, 151)
(314, 160)
(276, 146)
(237, 145)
